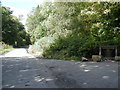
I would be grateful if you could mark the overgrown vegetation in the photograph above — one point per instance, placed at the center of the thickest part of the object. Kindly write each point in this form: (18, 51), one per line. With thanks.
(78, 28)
(4, 48)
(13, 31)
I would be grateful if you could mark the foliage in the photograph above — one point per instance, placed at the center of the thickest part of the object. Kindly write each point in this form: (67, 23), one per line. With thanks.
(2, 51)
(12, 28)
(41, 45)
(72, 46)
(22, 38)
(35, 21)
(4, 48)
(79, 28)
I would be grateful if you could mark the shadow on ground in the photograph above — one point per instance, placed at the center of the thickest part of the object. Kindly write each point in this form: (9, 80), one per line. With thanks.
(24, 72)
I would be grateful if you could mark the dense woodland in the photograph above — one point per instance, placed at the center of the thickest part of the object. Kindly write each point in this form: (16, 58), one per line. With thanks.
(70, 30)
(66, 30)
(13, 31)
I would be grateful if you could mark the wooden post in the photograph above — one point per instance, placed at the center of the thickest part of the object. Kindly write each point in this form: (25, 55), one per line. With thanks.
(116, 51)
(100, 50)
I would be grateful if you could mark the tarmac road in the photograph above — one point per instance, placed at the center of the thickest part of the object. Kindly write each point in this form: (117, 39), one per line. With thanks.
(22, 70)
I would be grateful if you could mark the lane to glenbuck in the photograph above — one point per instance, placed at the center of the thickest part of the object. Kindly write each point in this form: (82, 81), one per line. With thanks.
(20, 52)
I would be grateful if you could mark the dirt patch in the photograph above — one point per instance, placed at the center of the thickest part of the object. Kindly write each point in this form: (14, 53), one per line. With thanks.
(62, 80)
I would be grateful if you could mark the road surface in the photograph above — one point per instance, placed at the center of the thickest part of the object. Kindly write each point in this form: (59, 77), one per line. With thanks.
(22, 70)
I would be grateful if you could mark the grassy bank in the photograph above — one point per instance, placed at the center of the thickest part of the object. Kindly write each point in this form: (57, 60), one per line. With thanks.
(2, 51)
(5, 48)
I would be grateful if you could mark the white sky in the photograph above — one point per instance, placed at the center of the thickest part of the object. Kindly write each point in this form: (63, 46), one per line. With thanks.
(22, 7)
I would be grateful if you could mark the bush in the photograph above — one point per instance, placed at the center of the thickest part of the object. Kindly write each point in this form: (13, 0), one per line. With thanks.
(41, 45)
(45, 42)
(72, 47)
(4, 46)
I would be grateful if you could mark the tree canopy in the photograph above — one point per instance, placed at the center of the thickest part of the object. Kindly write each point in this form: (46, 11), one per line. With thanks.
(78, 28)
(12, 29)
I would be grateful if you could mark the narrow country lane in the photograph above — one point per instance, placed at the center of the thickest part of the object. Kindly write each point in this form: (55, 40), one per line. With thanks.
(21, 52)
(22, 70)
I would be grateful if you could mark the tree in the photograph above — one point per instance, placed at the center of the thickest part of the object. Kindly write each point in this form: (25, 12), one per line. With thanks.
(11, 27)
(78, 27)
(35, 21)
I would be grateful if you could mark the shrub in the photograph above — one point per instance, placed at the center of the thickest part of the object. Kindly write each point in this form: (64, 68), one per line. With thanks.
(4, 46)
(41, 45)
(71, 47)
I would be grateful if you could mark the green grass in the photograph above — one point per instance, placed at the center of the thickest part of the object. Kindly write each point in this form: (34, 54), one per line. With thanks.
(2, 51)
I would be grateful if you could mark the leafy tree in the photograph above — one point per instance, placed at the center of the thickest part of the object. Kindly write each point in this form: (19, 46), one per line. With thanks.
(35, 21)
(78, 27)
(11, 27)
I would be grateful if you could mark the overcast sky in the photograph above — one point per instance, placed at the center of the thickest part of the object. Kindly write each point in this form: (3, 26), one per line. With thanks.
(21, 7)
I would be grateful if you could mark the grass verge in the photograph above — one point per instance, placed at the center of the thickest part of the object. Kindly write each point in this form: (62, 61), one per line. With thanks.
(2, 51)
